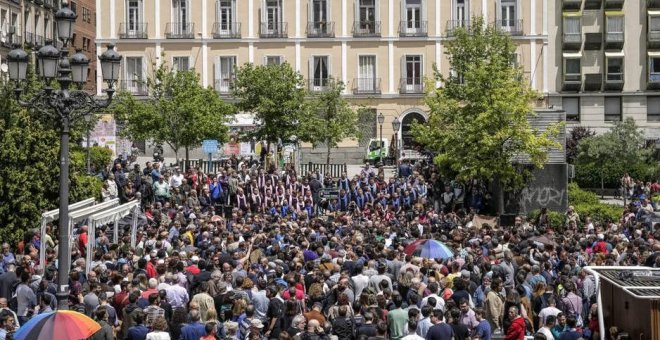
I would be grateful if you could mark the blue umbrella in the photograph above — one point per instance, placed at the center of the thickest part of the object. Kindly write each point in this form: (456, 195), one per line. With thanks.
(434, 249)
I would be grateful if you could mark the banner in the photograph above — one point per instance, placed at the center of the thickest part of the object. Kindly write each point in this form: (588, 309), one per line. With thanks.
(104, 134)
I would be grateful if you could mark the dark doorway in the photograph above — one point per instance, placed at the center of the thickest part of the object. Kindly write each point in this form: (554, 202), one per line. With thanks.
(408, 141)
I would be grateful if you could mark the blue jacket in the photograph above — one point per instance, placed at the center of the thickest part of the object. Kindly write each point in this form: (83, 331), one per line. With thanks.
(138, 332)
(193, 331)
(216, 191)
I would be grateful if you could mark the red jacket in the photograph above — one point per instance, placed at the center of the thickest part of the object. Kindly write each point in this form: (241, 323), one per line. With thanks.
(516, 330)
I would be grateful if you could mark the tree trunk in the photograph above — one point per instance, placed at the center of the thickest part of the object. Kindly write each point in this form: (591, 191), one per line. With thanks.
(327, 159)
(602, 185)
(187, 156)
(500, 196)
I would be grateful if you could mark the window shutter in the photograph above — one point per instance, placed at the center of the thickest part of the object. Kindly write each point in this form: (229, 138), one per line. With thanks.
(424, 11)
(404, 72)
(217, 73)
(310, 70)
(403, 12)
(310, 11)
(357, 11)
(263, 12)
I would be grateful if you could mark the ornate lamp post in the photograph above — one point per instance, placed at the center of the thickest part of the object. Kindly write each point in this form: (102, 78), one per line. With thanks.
(381, 143)
(65, 106)
(396, 124)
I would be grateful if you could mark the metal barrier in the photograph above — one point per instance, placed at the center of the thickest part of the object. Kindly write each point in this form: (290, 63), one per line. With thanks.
(334, 170)
(215, 167)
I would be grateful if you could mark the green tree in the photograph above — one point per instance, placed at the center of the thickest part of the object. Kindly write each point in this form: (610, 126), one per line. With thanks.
(479, 118)
(29, 175)
(614, 152)
(275, 94)
(330, 118)
(576, 135)
(178, 112)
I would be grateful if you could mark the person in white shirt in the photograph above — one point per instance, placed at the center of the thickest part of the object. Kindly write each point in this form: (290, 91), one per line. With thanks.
(546, 330)
(551, 310)
(177, 179)
(412, 327)
(439, 301)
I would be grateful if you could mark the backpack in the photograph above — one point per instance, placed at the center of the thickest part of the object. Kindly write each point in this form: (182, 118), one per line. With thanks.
(13, 302)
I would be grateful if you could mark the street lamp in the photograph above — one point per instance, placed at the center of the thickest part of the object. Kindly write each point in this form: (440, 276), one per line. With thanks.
(381, 144)
(396, 124)
(65, 106)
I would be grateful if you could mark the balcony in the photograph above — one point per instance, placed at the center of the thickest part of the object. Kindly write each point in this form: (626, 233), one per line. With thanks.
(572, 4)
(274, 29)
(593, 41)
(318, 84)
(409, 29)
(135, 87)
(512, 27)
(653, 38)
(614, 40)
(321, 29)
(572, 82)
(223, 86)
(29, 39)
(38, 2)
(654, 81)
(365, 86)
(572, 40)
(39, 40)
(180, 30)
(593, 4)
(413, 85)
(12, 40)
(133, 30)
(366, 29)
(49, 4)
(225, 30)
(453, 25)
(614, 81)
(652, 4)
(593, 82)
(614, 4)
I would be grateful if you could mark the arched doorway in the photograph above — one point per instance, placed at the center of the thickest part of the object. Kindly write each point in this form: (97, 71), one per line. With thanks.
(407, 140)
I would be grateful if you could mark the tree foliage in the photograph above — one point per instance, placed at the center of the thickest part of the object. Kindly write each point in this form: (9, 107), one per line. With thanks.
(29, 175)
(178, 112)
(275, 94)
(330, 119)
(573, 140)
(479, 117)
(613, 153)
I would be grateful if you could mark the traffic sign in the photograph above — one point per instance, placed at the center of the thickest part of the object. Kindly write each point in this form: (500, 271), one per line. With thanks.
(210, 146)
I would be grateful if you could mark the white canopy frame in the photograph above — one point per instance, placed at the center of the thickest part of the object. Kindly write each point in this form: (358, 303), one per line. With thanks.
(84, 214)
(111, 215)
(50, 216)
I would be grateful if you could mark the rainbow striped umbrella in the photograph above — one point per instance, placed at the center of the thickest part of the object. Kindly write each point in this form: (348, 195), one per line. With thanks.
(62, 324)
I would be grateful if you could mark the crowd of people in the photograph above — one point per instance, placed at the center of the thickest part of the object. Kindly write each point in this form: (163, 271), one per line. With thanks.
(253, 253)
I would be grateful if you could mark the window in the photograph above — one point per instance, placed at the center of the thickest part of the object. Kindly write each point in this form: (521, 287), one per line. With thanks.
(654, 24)
(614, 28)
(571, 106)
(4, 18)
(134, 74)
(273, 60)
(133, 16)
(73, 6)
(225, 15)
(224, 73)
(181, 63)
(366, 16)
(412, 78)
(461, 13)
(508, 14)
(572, 70)
(413, 14)
(273, 16)
(319, 11)
(47, 30)
(320, 72)
(572, 29)
(85, 44)
(612, 109)
(614, 69)
(653, 109)
(654, 69)
(367, 73)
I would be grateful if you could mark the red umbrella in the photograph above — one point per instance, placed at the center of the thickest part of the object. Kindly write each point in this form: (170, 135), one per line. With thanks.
(410, 249)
